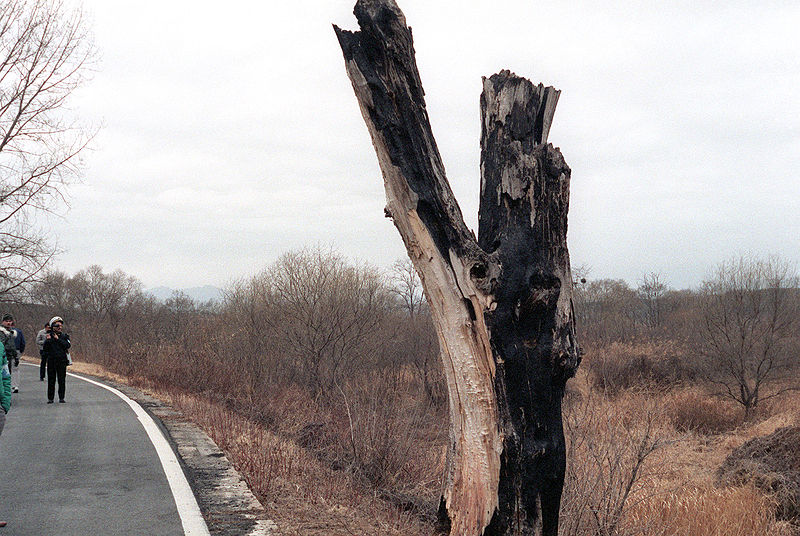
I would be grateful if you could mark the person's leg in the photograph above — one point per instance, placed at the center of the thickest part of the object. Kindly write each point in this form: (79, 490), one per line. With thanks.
(62, 381)
(14, 379)
(51, 380)
(42, 369)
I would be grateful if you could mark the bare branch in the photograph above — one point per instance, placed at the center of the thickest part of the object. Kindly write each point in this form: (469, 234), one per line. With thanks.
(45, 53)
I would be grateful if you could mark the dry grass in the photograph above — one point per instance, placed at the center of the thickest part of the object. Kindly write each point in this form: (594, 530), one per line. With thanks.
(706, 511)
(674, 490)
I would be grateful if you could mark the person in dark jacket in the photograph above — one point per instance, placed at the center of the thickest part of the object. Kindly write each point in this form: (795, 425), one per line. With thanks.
(56, 346)
(19, 340)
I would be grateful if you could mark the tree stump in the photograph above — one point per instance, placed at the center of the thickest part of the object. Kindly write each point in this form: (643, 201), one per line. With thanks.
(501, 304)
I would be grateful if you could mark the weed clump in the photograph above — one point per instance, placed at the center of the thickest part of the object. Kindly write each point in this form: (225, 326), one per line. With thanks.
(691, 410)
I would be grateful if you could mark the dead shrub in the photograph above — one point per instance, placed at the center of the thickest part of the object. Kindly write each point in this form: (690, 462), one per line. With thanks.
(772, 464)
(691, 410)
(621, 366)
(610, 447)
(387, 435)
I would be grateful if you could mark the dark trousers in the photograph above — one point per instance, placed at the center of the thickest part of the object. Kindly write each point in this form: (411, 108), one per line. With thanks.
(43, 368)
(56, 371)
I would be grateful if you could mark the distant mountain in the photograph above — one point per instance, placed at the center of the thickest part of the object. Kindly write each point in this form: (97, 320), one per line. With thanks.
(198, 294)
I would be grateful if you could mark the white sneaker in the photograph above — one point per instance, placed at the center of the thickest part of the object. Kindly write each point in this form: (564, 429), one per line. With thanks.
(15, 390)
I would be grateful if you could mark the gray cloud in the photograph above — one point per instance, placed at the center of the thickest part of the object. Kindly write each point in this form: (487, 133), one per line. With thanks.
(233, 135)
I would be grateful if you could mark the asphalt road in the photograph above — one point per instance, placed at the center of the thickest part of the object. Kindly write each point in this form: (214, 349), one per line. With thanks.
(86, 467)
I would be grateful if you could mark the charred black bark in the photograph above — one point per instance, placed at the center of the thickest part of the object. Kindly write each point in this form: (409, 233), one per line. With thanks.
(384, 52)
(523, 221)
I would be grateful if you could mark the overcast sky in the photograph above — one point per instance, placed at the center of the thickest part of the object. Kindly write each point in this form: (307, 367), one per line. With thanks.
(230, 133)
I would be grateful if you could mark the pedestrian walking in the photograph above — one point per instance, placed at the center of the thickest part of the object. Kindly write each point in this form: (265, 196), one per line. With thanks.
(7, 338)
(56, 348)
(40, 338)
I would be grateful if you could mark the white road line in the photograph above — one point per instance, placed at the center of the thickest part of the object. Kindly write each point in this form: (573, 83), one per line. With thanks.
(191, 518)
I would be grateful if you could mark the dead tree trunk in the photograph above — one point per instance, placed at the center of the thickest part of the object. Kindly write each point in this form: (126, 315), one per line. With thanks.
(502, 306)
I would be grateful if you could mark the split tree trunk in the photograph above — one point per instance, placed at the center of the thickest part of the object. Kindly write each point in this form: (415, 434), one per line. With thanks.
(502, 306)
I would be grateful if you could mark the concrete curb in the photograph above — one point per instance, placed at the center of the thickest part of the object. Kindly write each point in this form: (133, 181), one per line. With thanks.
(226, 502)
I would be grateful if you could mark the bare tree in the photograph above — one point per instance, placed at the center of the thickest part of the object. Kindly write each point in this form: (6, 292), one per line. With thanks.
(104, 298)
(54, 290)
(45, 52)
(501, 303)
(325, 312)
(652, 292)
(246, 311)
(414, 333)
(109, 306)
(607, 310)
(90, 296)
(750, 317)
(407, 286)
